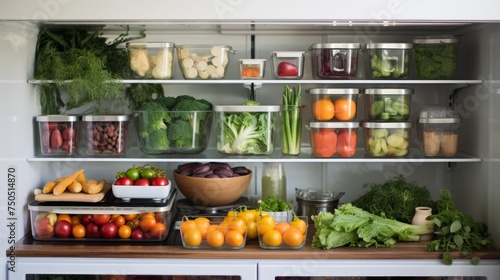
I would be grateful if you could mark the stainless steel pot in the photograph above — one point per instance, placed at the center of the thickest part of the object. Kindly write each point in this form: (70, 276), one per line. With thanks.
(312, 202)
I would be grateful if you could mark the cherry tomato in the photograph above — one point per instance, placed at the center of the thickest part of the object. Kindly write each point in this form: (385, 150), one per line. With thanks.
(158, 230)
(148, 173)
(192, 237)
(234, 238)
(272, 238)
(147, 224)
(63, 228)
(64, 217)
(215, 238)
(78, 231)
(101, 219)
(299, 224)
(119, 220)
(159, 181)
(129, 217)
(137, 234)
(238, 225)
(141, 182)
(124, 232)
(293, 237)
(133, 173)
(86, 219)
(124, 181)
(109, 230)
(92, 230)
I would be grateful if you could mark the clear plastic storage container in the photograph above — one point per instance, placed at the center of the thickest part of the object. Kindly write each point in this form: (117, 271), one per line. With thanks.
(334, 60)
(389, 60)
(334, 104)
(58, 134)
(102, 221)
(252, 68)
(106, 135)
(387, 139)
(203, 61)
(334, 138)
(246, 130)
(436, 58)
(388, 104)
(438, 131)
(288, 65)
(152, 60)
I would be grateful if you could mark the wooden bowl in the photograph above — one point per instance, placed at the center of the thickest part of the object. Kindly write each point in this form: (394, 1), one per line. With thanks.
(212, 191)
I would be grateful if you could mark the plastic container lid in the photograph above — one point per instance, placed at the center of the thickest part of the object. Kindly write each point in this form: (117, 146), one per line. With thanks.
(389, 46)
(438, 115)
(298, 54)
(151, 45)
(57, 118)
(251, 61)
(243, 108)
(389, 91)
(106, 118)
(387, 124)
(334, 91)
(334, 125)
(335, 46)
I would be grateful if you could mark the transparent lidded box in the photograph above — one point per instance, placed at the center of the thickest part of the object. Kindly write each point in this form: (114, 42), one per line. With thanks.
(438, 129)
(229, 139)
(293, 234)
(334, 60)
(93, 215)
(288, 64)
(151, 60)
(252, 68)
(334, 104)
(389, 60)
(225, 236)
(58, 134)
(334, 138)
(435, 58)
(203, 61)
(387, 139)
(106, 135)
(388, 104)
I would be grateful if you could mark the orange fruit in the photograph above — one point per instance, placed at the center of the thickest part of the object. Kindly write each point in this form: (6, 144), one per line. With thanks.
(293, 237)
(192, 237)
(323, 109)
(234, 238)
(345, 109)
(282, 227)
(215, 238)
(147, 224)
(124, 232)
(272, 238)
(64, 217)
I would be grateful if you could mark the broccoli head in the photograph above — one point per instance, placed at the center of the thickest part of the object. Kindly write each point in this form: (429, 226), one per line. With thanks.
(154, 117)
(184, 110)
(180, 133)
(167, 102)
(157, 140)
(183, 97)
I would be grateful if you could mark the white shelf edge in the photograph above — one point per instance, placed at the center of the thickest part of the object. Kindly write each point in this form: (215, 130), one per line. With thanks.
(350, 82)
(135, 155)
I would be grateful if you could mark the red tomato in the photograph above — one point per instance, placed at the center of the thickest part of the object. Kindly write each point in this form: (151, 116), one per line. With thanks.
(137, 234)
(287, 69)
(124, 181)
(63, 228)
(101, 219)
(109, 230)
(86, 219)
(159, 181)
(141, 182)
(346, 143)
(92, 230)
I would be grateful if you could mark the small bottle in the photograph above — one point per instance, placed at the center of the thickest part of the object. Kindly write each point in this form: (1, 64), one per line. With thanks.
(273, 180)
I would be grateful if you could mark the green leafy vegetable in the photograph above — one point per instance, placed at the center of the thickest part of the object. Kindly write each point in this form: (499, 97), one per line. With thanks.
(435, 61)
(456, 230)
(245, 133)
(352, 226)
(80, 62)
(291, 121)
(273, 204)
(395, 199)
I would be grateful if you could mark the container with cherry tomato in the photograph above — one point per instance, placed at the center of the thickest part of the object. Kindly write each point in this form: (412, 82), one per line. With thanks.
(145, 175)
(111, 221)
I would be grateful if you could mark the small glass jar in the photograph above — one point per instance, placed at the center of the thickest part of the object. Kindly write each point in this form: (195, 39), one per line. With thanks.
(273, 180)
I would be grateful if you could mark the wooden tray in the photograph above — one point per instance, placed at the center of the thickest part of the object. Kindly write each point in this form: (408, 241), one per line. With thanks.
(76, 197)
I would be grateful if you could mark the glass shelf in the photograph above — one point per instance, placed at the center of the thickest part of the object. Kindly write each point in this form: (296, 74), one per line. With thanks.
(211, 154)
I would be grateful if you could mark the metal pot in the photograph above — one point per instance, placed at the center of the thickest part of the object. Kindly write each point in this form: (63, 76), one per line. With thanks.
(312, 202)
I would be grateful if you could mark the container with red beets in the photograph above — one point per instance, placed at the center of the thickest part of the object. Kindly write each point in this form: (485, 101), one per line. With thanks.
(334, 60)
(106, 135)
(334, 138)
(58, 134)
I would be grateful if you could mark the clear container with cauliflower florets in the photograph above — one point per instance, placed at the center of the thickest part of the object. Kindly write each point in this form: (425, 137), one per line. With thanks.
(151, 60)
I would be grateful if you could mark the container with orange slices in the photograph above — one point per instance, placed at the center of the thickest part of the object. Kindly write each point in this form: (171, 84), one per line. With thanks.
(282, 233)
(213, 232)
(334, 104)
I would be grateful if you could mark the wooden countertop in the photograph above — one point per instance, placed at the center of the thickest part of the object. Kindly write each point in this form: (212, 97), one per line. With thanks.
(27, 247)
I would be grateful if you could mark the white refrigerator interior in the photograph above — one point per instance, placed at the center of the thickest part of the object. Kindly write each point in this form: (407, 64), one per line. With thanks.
(284, 26)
